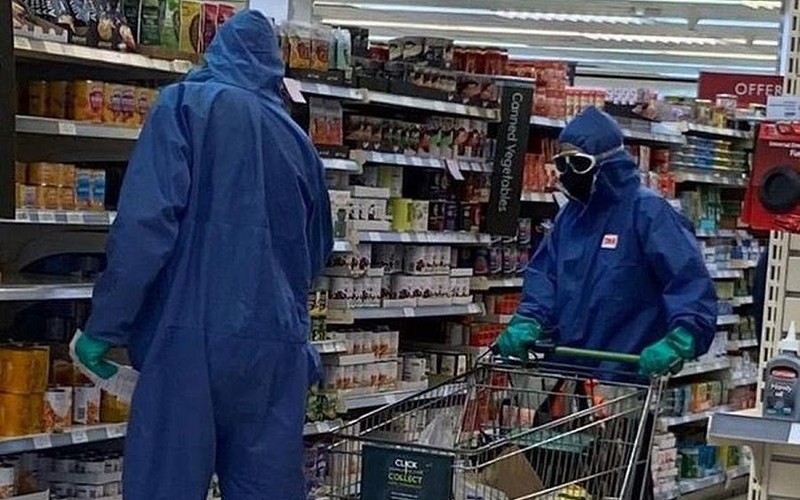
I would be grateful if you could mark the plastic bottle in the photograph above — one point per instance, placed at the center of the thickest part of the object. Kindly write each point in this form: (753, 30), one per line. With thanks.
(782, 385)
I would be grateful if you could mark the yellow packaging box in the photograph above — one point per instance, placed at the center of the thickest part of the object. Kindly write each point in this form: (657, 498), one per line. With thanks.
(87, 101)
(24, 370)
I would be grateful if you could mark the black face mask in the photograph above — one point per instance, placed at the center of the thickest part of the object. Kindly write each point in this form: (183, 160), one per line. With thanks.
(578, 186)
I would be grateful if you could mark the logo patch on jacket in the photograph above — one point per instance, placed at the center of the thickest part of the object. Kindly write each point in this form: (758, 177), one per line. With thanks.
(609, 241)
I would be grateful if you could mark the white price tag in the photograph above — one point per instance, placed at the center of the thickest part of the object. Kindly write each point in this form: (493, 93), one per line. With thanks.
(22, 43)
(42, 442)
(405, 238)
(408, 312)
(74, 218)
(294, 88)
(67, 128)
(794, 434)
(53, 48)
(23, 215)
(785, 107)
(455, 169)
(79, 436)
(116, 431)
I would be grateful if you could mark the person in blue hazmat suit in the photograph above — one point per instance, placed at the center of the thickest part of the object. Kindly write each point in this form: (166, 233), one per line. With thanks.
(223, 222)
(621, 270)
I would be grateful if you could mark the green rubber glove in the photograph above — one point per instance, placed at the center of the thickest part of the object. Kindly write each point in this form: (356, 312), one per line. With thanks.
(518, 337)
(658, 358)
(91, 353)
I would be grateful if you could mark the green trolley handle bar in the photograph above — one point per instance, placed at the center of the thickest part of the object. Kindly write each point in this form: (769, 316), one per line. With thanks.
(574, 352)
(547, 347)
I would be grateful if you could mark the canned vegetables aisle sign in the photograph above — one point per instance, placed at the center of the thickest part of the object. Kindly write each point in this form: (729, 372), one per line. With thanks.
(392, 474)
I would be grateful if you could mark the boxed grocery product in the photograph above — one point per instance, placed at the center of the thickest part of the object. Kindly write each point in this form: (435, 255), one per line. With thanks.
(112, 410)
(83, 188)
(24, 370)
(46, 197)
(66, 175)
(57, 98)
(128, 112)
(20, 172)
(321, 37)
(26, 196)
(145, 99)
(45, 174)
(170, 23)
(20, 414)
(191, 26)
(98, 198)
(112, 103)
(87, 101)
(86, 403)
(209, 23)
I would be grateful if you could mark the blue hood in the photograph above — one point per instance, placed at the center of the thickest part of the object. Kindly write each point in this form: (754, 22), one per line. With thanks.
(595, 132)
(245, 53)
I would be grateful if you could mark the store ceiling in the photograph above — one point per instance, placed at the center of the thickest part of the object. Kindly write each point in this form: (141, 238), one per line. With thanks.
(653, 38)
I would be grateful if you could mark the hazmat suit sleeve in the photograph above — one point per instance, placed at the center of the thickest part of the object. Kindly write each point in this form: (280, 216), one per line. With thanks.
(320, 225)
(539, 288)
(689, 296)
(153, 197)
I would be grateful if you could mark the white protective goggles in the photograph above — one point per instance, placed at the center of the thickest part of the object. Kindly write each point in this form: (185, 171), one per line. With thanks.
(580, 162)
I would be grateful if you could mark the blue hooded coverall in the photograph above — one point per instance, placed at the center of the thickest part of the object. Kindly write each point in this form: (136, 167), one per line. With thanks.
(223, 222)
(621, 271)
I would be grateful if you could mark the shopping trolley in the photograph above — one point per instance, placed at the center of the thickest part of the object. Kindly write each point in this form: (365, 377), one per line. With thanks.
(505, 431)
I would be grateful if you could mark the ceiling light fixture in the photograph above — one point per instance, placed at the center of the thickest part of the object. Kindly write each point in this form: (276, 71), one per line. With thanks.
(620, 37)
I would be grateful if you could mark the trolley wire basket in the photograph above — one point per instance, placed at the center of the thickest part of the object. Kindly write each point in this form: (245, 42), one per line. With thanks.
(502, 432)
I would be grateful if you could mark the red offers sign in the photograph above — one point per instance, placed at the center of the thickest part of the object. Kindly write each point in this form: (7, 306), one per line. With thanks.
(749, 89)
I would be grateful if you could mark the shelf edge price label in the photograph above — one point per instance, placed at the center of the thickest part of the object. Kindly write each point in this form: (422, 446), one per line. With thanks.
(79, 436)
(115, 431)
(408, 312)
(42, 442)
(53, 48)
(67, 128)
(22, 43)
(47, 217)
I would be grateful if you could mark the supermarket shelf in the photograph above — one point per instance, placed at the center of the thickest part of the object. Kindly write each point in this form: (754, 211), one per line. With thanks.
(668, 135)
(667, 422)
(74, 435)
(69, 128)
(433, 105)
(342, 246)
(36, 216)
(721, 233)
(728, 319)
(538, 197)
(359, 401)
(742, 301)
(415, 312)
(725, 274)
(707, 176)
(543, 121)
(326, 427)
(749, 426)
(699, 367)
(436, 238)
(688, 486)
(735, 345)
(361, 156)
(479, 283)
(48, 291)
(368, 96)
(340, 165)
(330, 346)
(716, 131)
(31, 48)
(744, 381)
(326, 90)
(653, 136)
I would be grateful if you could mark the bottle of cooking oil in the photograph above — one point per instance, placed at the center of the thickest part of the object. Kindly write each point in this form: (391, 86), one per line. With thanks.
(782, 384)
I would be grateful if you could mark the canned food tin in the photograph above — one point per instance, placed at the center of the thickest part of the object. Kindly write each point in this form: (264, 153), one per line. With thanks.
(57, 99)
(86, 405)
(37, 98)
(57, 410)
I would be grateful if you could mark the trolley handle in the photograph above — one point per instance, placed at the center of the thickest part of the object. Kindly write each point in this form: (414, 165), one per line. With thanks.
(549, 347)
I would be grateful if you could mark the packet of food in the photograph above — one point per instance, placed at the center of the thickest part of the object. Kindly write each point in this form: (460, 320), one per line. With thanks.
(121, 384)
